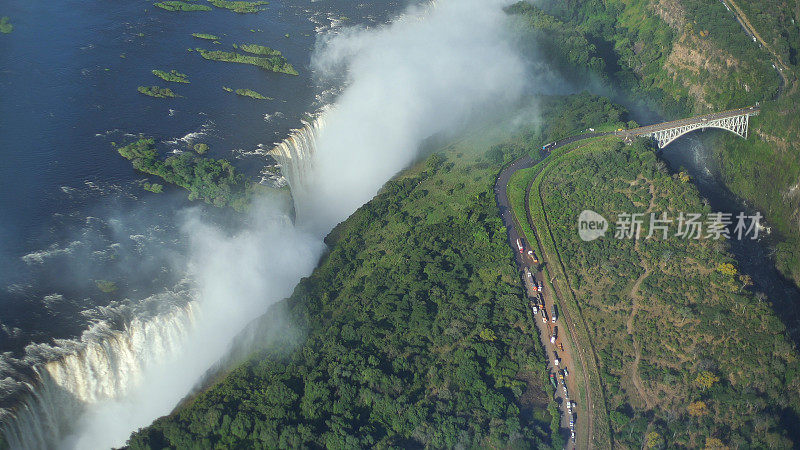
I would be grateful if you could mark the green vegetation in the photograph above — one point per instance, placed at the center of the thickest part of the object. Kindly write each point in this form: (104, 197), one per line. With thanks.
(415, 333)
(157, 92)
(106, 286)
(247, 93)
(5, 25)
(200, 148)
(669, 320)
(239, 6)
(257, 49)
(208, 37)
(213, 180)
(777, 23)
(765, 170)
(175, 5)
(666, 56)
(692, 56)
(172, 75)
(153, 187)
(567, 116)
(275, 63)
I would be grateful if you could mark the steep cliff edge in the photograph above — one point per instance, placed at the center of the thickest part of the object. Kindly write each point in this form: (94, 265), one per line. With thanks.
(695, 56)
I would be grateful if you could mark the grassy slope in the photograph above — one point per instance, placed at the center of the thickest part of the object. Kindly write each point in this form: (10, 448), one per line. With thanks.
(690, 318)
(417, 333)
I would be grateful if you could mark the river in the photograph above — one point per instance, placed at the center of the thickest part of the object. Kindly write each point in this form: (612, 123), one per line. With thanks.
(74, 212)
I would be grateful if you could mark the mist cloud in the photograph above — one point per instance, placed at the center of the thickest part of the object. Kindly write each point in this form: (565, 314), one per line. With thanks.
(238, 276)
(427, 73)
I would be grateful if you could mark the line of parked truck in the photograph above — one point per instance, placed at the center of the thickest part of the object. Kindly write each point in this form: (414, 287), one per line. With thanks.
(537, 305)
(570, 405)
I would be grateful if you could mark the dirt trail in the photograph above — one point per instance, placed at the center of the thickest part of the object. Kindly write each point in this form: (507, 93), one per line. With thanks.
(637, 380)
(636, 299)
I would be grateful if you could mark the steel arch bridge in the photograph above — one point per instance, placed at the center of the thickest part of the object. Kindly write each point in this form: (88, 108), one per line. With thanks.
(736, 121)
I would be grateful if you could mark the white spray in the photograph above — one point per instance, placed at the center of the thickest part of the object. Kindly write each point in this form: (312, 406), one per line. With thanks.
(428, 73)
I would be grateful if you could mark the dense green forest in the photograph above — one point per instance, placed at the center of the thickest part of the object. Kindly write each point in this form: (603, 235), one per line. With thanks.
(240, 6)
(215, 181)
(692, 56)
(417, 334)
(688, 356)
(416, 329)
(777, 23)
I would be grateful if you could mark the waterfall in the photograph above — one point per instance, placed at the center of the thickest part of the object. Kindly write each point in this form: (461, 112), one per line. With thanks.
(76, 379)
(295, 153)
(106, 365)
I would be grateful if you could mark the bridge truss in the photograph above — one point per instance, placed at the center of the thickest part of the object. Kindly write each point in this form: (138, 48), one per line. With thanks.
(665, 135)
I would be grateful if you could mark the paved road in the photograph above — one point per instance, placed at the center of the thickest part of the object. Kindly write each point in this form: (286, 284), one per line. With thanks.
(750, 30)
(546, 328)
(582, 422)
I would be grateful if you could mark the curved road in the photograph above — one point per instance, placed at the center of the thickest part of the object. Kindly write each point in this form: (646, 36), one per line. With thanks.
(580, 415)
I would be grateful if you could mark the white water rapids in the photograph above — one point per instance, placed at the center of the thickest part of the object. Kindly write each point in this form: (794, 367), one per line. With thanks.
(431, 71)
(104, 368)
(115, 375)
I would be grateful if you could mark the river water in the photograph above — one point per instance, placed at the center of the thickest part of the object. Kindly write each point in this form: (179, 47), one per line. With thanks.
(74, 211)
(753, 256)
(694, 154)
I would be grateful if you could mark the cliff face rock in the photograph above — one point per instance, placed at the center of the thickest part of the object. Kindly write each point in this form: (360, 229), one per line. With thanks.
(672, 12)
(694, 62)
(710, 62)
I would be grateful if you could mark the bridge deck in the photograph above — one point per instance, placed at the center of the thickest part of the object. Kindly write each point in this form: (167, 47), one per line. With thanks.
(751, 111)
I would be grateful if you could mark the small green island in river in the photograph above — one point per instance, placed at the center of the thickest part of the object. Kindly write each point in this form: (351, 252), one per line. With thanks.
(275, 62)
(214, 181)
(206, 36)
(173, 76)
(106, 286)
(247, 93)
(175, 5)
(157, 92)
(5, 25)
(239, 6)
